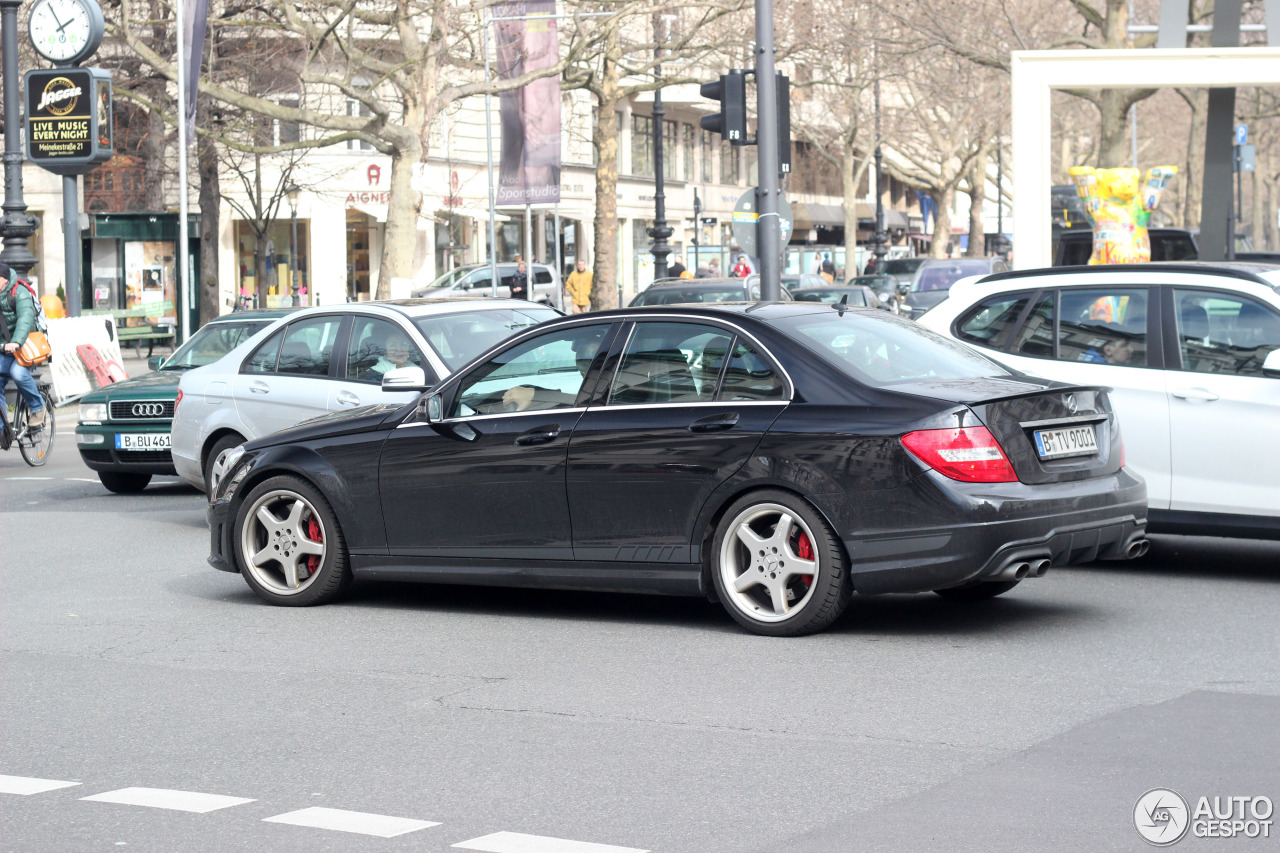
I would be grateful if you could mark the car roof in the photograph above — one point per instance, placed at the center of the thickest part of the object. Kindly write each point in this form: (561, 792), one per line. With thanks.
(827, 288)
(422, 307)
(1246, 271)
(758, 310)
(254, 314)
(703, 282)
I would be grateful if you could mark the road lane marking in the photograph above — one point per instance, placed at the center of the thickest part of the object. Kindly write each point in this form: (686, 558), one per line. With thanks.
(26, 786)
(159, 798)
(383, 826)
(516, 842)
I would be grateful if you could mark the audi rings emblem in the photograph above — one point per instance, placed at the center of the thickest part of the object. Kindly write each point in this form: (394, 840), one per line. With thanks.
(147, 410)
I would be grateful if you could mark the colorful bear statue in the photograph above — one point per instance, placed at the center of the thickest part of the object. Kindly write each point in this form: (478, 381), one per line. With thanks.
(1119, 208)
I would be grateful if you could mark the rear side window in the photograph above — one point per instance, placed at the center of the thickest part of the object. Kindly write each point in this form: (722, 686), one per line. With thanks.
(988, 323)
(264, 357)
(670, 363)
(1035, 338)
(542, 276)
(308, 346)
(1103, 326)
(750, 376)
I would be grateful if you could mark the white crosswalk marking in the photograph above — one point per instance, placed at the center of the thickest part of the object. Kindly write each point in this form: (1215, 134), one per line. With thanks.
(159, 798)
(363, 823)
(26, 787)
(515, 842)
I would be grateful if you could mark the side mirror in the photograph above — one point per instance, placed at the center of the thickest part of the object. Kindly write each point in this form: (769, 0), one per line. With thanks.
(435, 409)
(1271, 364)
(154, 362)
(904, 287)
(405, 379)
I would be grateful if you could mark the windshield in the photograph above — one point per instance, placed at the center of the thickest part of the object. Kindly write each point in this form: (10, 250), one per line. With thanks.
(903, 266)
(879, 349)
(942, 276)
(458, 338)
(683, 295)
(213, 342)
(448, 279)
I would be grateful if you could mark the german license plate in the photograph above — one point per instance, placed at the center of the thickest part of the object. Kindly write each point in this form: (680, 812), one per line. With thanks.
(1067, 441)
(143, 441)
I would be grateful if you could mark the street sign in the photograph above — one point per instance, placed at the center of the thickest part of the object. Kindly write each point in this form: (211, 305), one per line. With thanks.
(1246, 161)
(69, 119)
(746, 218)
(1242, 134)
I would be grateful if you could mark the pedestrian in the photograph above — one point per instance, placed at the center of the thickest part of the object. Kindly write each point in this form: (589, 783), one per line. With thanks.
(677, 270)
(741, 269)
(579, 287)
(520, 282)
(17, 320)
(828, 270)
(711, 270)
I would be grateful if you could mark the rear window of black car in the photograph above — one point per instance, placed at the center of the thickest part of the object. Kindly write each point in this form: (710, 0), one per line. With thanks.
(878, 349)
(685, 295)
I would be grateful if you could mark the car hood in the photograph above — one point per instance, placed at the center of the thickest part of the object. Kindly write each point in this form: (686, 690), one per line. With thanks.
(362, 419)
(157, 385)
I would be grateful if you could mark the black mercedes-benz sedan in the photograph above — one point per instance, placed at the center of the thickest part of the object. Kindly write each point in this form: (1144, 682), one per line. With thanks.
(775, 457)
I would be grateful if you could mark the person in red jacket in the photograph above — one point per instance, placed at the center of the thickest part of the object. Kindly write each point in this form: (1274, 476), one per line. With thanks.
(741, 269)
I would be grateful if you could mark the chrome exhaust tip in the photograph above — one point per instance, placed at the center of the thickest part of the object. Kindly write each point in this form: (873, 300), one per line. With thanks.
(1039, 567)
(1136, 548)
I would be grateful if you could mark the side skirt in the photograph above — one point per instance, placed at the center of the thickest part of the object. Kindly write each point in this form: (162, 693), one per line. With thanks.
(660, 579)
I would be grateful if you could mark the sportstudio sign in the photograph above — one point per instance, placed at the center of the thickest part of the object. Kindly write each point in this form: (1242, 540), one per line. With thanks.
(69, 121)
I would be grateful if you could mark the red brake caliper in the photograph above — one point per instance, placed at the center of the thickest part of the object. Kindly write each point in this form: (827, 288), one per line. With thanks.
(804, 550)
(314, 534)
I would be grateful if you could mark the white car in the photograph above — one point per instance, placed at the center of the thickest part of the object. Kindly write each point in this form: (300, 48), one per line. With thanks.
(330, 359)
(476, 280)
(1193, 353)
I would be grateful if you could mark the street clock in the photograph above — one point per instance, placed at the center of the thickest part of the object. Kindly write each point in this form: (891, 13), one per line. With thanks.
(66, 31)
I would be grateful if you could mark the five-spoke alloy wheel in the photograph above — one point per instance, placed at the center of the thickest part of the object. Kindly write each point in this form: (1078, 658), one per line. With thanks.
(777, 567)
(289, 546)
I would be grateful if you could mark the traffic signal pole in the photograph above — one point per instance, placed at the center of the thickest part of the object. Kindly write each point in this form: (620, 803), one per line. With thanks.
(768, 231)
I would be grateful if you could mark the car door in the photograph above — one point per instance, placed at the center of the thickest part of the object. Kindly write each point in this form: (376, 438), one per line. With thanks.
(374, 346)
(1089, 336)
(286, 379)
(677, 422)
(1223, 411)
(488, 481)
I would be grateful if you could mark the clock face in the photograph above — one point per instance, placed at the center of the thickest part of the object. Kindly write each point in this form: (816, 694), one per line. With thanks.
(60, 29)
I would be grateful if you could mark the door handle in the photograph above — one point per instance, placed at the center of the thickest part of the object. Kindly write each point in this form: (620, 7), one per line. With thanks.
(1195, 395)
(539, 435)
(259, 387)
(715, 423)
(346, 398)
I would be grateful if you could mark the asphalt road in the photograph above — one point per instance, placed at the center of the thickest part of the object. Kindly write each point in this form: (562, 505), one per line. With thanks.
(552, 722)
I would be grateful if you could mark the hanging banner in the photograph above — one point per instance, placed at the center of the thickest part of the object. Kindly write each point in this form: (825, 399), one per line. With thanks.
(529, 170)
(195, 20)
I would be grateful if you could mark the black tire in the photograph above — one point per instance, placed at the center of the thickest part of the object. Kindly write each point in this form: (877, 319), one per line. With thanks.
(124, 482)
(35, 444)
(278, 546)
(977, 591)
(781, 602)
(220, 447)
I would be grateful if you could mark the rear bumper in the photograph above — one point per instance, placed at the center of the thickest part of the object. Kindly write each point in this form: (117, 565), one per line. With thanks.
(988, 525)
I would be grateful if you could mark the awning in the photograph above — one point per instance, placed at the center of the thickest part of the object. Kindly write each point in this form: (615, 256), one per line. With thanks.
(377, 211)
(892, 218)
(817, 216)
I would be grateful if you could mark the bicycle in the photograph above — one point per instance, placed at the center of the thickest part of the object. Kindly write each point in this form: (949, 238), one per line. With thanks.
(34, 443)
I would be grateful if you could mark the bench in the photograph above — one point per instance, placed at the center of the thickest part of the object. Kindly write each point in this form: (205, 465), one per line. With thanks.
(150, 334)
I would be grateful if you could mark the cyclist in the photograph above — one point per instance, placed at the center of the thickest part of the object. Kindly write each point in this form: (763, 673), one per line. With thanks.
(18, 318)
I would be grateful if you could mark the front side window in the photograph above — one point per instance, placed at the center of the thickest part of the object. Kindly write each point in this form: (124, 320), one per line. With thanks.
(989, 322)
(1106, 325)
(308, 346)
(544, 372)
(1224, 333)
(670, 363)
(377, 346)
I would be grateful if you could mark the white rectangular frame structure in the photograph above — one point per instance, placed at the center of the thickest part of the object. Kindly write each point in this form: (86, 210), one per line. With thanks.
(1036, 73)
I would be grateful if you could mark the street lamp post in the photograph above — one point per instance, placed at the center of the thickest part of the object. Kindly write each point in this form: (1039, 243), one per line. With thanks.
(16, 226)
(292, 191)
(660, 230)
(880, 239)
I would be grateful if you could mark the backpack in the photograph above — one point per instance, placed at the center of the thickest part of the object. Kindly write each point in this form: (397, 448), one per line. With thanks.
(42, 322)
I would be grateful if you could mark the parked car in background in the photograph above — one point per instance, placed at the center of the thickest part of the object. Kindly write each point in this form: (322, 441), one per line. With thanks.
(888, 289)
(903, 269)
(330, 359)
(934, 278)
(123, 432)
(679, 291)
(794, 281)
(1192, 353)
(476, 281)
(779, 456)
(855, 295)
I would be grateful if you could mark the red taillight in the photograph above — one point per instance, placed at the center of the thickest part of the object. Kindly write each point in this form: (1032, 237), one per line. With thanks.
(176, 402)
(971, 454)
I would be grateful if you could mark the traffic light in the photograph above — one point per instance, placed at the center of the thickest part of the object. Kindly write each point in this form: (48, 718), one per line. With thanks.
(731, 122)
(784, 124)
